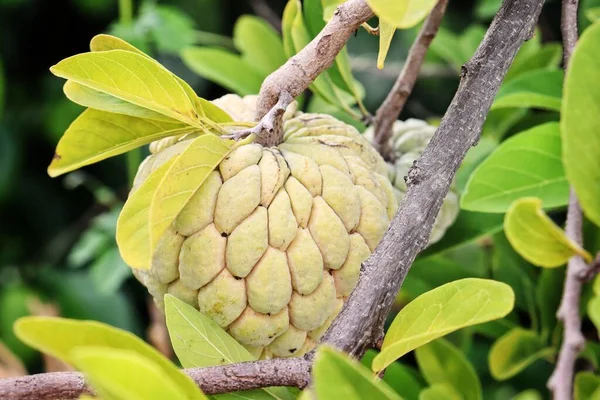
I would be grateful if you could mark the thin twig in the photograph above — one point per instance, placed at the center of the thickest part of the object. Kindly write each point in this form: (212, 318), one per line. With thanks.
(361, 320)
(561, 381)
(262, 9)
(391, 108)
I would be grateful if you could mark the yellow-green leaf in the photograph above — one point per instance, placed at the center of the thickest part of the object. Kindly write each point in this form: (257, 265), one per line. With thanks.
(593, 309)
(336, 376)
(132, 77)
(402, 14)
(536, 237)
(97, 100)
(386, 34)
(439, 391)
(515, 351)
(126, 375)
(199, 342)
(105, 42)
(443, 310)
(58, 337)
(96, 135)
(183, 179)
(133, 226)
(586, 386)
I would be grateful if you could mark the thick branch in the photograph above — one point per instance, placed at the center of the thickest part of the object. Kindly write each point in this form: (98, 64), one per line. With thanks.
(391, 108)
(212, 380)
(561, 381)
(361, 320)
(300, 70)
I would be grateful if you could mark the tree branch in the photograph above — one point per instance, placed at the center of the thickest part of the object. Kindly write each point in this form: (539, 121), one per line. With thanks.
(361, 320)
(561, 381)
(212, 380)
(391, 108)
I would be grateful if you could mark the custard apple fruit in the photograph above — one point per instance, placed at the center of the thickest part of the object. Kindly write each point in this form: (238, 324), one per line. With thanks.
(408, 142)
(271, 245)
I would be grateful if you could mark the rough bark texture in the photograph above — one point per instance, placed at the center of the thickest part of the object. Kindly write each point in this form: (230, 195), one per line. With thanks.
(212, 380)
(391, 108)
(300, 70)
(361, 320)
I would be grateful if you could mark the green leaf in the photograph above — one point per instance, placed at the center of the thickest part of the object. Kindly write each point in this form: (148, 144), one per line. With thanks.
(527, 164)
(547, 57)
(133, 78)
(97, 135)
(58, 337)
(259, 44)
(530, 394)
(109, 271)
(469, 226)
(586, 386)
(442, 363)
(403, 379)
(227, 69)
(593, 309)
(515, 351)
(439, 392)
(580, 117)
(401, 13)
(348, 84)
(95, 99)
(197, 340)
(104, 42)
(183, 179)
(329, 7)
(443, 310)
(133, 226)
(126, 375)
(548, 296)
(336, 376)
(536, 237)
(593, 14)
(292, 8)
(536, 89)
(386, 34)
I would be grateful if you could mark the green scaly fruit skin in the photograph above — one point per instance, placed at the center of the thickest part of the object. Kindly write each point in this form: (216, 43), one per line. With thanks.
(408, 142)
(271, 245)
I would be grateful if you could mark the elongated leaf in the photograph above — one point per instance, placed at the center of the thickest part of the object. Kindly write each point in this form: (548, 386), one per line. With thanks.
(131, 77)
(527, 164)
(580, 117)
(515, 351)
(97, 135)
(348, 84)
(133, 226)
(439, 392)
(292, 8)
(536, 89)
(593, 309)
(586, 386)
(123, 374)
(536, 237)
(548, 296)
(403, 379)
(547, 57)
(227, 69)
(442, 363)
(441, 311)
(386, 34)
(199, 342)
(183, 179)
(338, 377)
(58, 337)
(259, 44)
(95, 99)
(401, 13)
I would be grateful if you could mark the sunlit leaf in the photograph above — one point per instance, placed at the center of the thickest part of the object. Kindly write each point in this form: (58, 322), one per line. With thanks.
(402, 13)
(515, 351)
(536, 237)
(536, 89)
(593, 309)
(593, 14)
(124, 374)
(586, 386)
(58, 337)
(227, 69)
(443, 310)
(292, 8)
(442, 363)
(580, 118)
(199, 342)
(527, 164)
(336, 376)
(259, 44)
(439, 392)
(97, 135)
(184, 178)
(131, 77)
(105, 42)
(386, 34)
